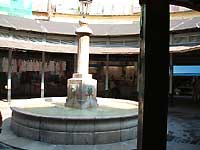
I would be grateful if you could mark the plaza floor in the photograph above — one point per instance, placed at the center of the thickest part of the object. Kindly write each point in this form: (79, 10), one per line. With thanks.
(184, 124)
(183, 132)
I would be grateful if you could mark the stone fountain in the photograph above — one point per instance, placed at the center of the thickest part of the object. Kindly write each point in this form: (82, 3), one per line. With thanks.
(79, 119)
(82, 88)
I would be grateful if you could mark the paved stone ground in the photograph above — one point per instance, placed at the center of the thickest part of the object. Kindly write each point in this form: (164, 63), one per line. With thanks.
(184, 122)
(183, 132)
(184, 129)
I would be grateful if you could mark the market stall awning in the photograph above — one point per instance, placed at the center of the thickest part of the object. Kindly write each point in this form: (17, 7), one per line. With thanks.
(186, 70)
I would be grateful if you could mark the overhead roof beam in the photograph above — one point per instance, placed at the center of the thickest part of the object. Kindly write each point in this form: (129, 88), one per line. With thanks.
(192, 4)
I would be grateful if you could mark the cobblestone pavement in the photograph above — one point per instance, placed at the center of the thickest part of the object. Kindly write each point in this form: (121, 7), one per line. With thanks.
(184, 123)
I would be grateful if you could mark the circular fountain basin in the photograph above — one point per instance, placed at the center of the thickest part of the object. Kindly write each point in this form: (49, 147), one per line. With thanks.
(48, 120)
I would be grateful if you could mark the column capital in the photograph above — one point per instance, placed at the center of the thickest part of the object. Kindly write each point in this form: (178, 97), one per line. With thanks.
(84, 28)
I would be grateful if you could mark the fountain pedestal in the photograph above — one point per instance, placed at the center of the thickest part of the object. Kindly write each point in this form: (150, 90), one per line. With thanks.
(81, 89)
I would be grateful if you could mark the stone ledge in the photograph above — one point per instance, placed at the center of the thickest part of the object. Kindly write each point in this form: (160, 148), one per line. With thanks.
(74, 138)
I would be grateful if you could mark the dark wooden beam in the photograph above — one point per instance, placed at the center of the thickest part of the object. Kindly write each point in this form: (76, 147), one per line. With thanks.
(192, 4)
(154, 75)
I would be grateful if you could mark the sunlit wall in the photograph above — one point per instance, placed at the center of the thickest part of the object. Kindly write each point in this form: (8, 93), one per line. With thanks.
(21, 8)
(98, 7)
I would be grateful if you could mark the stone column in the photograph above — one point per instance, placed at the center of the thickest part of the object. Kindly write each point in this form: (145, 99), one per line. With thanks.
(83, 53)
(81, 89)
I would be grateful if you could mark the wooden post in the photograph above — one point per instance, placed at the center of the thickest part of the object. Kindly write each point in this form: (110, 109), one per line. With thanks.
(171, 79)
(9, 74)
(42, 74)
(107, 76)
(154, 78)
